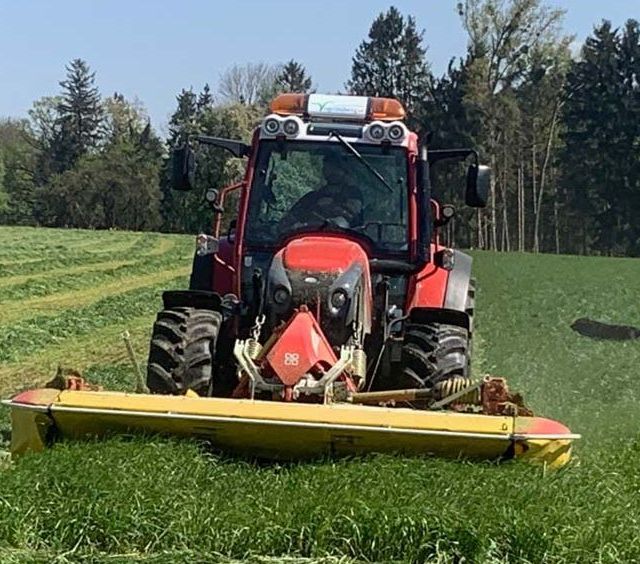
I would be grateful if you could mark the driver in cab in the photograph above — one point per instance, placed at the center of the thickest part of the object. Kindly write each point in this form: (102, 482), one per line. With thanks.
(337, 200)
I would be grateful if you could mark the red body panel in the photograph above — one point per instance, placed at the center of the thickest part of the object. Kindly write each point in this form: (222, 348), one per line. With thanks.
(428, 288)
(243, 212)
(299, 348)
(540, 426)
(224, 261)
(323, 254)
(223, 271)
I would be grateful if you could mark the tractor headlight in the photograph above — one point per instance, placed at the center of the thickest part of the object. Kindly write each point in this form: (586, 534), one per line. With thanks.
(281, 295)
(291, 127)
(206, 245)
(396, 132)
(272, 126)
(446, 259)
(338, 299)
(448, 212)
(376, 131)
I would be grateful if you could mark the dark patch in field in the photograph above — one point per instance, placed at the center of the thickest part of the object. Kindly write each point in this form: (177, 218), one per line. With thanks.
(598, 330)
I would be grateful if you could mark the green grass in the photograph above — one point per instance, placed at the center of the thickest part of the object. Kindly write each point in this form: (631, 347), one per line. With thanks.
(65, 281)
(159, 500)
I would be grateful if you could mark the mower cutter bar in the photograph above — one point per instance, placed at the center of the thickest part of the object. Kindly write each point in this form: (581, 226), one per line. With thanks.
(281, 430)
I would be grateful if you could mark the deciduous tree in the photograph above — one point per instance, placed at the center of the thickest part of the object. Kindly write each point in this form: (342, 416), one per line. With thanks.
(247, 84)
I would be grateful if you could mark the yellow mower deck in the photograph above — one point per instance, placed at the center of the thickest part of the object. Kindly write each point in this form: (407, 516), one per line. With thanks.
(285, 430)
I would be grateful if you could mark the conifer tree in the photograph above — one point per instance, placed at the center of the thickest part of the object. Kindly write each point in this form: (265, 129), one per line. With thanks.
(205, 99)
(601, 164)
(80, 115)
(293, 78)
(392, 63)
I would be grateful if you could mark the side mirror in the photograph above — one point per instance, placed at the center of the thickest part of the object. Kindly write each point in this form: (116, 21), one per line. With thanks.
(183, 168)
(478, 181)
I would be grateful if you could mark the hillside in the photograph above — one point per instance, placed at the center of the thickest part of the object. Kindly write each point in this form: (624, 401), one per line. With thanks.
(66, 297)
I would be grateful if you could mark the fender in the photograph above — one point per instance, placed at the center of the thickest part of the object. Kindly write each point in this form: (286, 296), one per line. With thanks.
(442, 296)
(213, 272)
(201, 273)
(458, 282)
(192, 298)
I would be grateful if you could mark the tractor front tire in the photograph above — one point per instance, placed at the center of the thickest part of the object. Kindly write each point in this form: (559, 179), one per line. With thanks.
(182, 352)
(433, 352)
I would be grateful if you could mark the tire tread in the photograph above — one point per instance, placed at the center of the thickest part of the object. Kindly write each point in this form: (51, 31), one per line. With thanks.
(182, 351)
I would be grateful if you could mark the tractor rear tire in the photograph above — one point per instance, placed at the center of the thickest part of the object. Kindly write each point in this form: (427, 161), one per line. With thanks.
(433, 352)
(182, 352)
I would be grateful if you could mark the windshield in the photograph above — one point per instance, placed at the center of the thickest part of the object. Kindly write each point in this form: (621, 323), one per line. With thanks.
(307, 185)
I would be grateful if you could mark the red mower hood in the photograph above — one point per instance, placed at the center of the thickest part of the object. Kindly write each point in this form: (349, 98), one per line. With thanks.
(323, 254)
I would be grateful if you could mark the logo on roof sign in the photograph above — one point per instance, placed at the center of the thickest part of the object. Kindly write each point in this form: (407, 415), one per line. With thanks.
(337, 106)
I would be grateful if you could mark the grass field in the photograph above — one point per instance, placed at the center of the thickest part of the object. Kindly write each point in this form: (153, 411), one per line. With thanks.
(66, 296)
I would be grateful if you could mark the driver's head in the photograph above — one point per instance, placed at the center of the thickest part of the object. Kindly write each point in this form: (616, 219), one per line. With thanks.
(335, 171)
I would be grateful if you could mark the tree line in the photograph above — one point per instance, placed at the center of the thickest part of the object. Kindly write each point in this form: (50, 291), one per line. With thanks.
(558, 123)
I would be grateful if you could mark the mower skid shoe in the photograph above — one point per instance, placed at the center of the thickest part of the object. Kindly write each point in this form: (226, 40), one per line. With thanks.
(32, 427)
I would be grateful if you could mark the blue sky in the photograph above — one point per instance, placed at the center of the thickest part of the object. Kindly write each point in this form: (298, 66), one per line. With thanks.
(151, 49)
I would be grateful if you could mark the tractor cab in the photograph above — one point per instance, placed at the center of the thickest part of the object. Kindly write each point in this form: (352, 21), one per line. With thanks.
(314, 173)
(331, 278)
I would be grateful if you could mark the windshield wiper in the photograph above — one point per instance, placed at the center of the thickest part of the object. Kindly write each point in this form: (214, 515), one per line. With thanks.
(349, 147)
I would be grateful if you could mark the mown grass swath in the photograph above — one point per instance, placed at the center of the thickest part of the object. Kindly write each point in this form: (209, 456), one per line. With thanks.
(177, 501)
(89, 275)
(39, 258)
(43, 330)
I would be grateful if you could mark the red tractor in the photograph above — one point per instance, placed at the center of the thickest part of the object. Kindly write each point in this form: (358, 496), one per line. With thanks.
(324, 308)
(332, 279)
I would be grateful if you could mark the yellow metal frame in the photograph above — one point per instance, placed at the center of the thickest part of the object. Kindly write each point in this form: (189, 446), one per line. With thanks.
(284, 430)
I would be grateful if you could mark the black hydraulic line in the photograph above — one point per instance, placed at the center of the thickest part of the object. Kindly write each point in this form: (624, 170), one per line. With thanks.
(258, 292)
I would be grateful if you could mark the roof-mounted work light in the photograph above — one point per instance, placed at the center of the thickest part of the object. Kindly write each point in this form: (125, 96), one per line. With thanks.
(338, 107)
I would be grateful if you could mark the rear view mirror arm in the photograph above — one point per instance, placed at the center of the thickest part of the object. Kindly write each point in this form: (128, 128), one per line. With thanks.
(436, 155)
(236, 148)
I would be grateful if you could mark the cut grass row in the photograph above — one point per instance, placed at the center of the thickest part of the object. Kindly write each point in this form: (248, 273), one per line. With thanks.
(64, 273)
(14, 249)
(19, 234)
(58, 316)
(18, 243)
(32, 311)
(102, 347)
(37, 293)
(25, 337)
(25, 250)
(144, 245)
